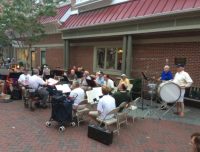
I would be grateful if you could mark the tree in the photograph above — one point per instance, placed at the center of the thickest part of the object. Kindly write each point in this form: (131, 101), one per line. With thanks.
(20, 21)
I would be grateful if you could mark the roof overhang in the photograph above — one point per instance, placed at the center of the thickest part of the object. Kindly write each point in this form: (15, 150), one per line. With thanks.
(173, 21)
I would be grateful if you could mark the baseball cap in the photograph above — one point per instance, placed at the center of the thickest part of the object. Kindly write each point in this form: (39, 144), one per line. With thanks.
(179, 65)
(123, 75)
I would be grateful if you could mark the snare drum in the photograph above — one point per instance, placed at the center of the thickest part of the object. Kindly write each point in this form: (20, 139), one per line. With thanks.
(169, 92)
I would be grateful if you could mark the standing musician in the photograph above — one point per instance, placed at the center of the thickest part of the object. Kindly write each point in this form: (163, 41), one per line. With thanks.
(184, 80)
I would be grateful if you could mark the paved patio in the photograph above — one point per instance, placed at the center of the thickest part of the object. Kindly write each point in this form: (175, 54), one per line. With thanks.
(24, 131)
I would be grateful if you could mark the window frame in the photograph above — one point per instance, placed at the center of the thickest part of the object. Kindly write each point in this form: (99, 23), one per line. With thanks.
(41, 51)
(108, 71)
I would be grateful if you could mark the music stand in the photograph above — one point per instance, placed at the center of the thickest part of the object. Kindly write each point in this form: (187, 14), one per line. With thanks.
(143, 78)
(15, 75)
(91, 83)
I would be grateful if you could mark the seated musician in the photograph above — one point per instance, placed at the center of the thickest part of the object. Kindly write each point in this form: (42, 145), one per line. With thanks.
(105, 105)
(166, 75)
(124, 80)
(72, 76)
(122, 96)
(23, 80)
(100, 79)
(46, 73)
(37, 84)
(79, 72)
(78, 95)
(108, 82)
(83, 83)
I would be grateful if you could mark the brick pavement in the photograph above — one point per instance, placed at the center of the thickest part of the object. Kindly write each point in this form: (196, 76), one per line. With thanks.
(24, 131)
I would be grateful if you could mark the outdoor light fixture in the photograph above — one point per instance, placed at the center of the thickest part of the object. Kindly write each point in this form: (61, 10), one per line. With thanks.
(120, 51)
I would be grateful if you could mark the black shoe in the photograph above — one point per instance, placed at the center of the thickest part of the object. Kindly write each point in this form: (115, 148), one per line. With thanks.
(163, 108)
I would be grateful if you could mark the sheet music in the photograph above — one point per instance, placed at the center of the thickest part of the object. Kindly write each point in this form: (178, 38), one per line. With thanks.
(64, 88)
(90, 96)
(51, 81)
(97, 92)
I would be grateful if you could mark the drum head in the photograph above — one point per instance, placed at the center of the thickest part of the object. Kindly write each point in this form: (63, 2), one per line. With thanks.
(170, 92)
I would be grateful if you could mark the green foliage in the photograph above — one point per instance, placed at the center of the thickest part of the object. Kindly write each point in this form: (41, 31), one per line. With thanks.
(21, 20)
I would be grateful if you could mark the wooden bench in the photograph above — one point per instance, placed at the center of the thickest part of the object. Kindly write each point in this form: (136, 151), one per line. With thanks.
(189, 93)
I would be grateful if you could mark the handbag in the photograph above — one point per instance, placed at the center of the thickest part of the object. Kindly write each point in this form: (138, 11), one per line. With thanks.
(100, 134)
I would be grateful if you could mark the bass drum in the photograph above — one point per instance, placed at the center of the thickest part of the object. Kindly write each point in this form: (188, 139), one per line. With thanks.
(169, 92)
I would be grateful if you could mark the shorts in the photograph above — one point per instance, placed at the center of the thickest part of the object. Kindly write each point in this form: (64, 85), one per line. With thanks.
(181, 99)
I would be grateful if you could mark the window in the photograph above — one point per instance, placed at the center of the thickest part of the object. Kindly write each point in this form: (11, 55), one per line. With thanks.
(43, 57)
(109, 58)
(180, 61)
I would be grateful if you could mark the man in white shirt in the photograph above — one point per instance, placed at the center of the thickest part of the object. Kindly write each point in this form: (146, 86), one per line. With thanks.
(24, 78)
(24, 81)
(108, 82)
(78, 94)
(105, 105)
(184, 80)
(36, 83)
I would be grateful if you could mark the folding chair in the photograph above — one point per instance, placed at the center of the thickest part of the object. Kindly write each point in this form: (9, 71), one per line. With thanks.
(132, 108)
(81, 111)
(122, 114)
(112, 120)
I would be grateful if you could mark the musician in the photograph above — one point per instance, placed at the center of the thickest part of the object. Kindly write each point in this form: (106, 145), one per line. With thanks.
(166, 74)
(105, 105)
(108, 82)
(37, 83)
(83, 83)
(72, 76)
(122, 95)
(79, 72)
(46, 72)
(23, 81)
(100, 79)
(184, 80)
(124, 80)
(77, 94)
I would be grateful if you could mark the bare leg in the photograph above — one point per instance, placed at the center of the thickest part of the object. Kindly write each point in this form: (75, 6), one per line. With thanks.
(178, 107)
(182, 109)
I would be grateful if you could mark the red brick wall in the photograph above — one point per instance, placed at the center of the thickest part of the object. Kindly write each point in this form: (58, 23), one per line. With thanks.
(52, 39)
(150, 58)
(55, 57)
(83, 56)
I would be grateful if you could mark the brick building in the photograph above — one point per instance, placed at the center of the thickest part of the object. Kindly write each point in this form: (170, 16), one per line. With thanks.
(123, 36)
(133, 36)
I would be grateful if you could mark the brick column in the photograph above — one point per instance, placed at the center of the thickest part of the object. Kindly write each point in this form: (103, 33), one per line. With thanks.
(66, 54)
(129, 56)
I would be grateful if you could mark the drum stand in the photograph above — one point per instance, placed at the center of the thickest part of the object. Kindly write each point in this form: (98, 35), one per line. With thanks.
(168, 110)
(151, 111)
